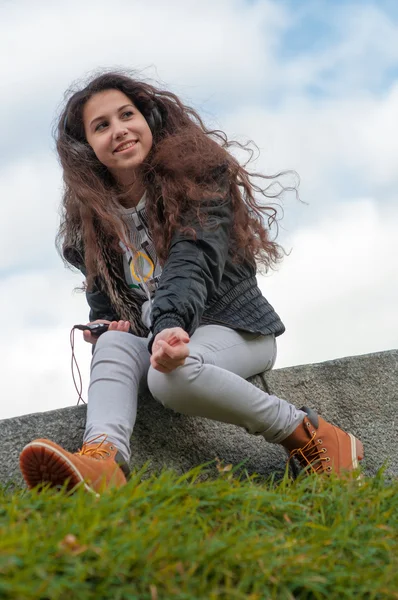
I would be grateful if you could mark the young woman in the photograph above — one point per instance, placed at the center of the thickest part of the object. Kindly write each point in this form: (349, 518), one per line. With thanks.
(163, 222)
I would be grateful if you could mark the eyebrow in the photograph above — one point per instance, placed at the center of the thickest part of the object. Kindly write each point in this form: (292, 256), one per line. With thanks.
(102, 117)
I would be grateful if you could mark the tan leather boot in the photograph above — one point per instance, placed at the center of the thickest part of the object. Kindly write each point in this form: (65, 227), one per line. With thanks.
(321, 447)
(97, 466)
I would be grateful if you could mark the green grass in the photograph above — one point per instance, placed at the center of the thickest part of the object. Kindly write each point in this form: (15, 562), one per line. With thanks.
(167, 536)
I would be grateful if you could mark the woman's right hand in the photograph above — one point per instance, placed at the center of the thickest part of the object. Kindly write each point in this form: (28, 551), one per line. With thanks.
(113, 326)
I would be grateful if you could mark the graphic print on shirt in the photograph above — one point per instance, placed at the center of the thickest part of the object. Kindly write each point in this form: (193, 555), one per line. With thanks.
(141, 267)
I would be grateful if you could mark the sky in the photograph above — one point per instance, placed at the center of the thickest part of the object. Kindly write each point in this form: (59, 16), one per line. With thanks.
(313, 83)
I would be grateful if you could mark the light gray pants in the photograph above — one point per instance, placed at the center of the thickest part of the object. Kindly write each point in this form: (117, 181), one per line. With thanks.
(212, 384)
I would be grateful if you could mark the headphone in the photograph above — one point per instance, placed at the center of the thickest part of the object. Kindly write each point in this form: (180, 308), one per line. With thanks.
(154, 119)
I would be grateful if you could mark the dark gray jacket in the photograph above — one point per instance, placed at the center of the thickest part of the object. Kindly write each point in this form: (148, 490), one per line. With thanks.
(200, 284)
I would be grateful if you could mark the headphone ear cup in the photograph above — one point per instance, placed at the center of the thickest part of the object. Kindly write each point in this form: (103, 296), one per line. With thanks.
(154, 120)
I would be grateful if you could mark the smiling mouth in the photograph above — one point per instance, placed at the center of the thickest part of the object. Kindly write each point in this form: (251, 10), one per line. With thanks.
(125, 146)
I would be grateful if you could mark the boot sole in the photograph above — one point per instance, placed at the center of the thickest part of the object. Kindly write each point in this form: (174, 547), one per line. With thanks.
(40, 463)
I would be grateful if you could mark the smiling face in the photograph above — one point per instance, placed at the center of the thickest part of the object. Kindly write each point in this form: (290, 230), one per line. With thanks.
(118, 133)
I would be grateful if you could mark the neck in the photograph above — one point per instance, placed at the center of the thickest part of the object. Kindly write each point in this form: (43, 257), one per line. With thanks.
(131, 194)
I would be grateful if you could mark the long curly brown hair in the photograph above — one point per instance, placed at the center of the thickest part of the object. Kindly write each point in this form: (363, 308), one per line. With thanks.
(188, 164)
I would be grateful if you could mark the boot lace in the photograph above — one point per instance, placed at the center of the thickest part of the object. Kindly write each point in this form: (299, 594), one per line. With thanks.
(93, 449)
(310, 455)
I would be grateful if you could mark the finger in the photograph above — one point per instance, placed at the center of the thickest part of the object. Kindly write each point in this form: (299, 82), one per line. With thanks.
(164, 361)
(167, 368)
(166, 354)
(167, 363)
(177, 338)
(88, 337)
(159, 357)
(181, 334)
(174, 352)
(158, 367)
(184, 337)
(113, 326)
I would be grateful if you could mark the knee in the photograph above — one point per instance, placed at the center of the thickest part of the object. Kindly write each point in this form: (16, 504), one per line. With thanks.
(105, 345)
(173, 389)
(117, 338)
(109, 338)
(118, 341)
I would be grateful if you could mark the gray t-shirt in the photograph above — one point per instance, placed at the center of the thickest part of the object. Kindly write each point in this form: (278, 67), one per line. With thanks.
(141, 268)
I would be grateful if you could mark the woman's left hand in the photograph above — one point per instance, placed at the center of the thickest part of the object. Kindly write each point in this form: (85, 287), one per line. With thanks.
(169, 349)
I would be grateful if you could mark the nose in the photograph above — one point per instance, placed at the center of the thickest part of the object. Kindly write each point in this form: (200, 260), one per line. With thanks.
(119, 131)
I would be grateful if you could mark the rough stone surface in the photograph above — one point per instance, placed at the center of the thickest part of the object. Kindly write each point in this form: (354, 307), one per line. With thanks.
(359, 394)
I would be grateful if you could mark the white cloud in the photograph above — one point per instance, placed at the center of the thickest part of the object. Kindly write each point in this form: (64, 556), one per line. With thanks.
(30, 189)
(205, 48)
(333, 144)
(38, 311)
(337, 292)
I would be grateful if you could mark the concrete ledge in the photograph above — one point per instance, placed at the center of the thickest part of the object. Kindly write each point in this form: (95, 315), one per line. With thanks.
(359, 394)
